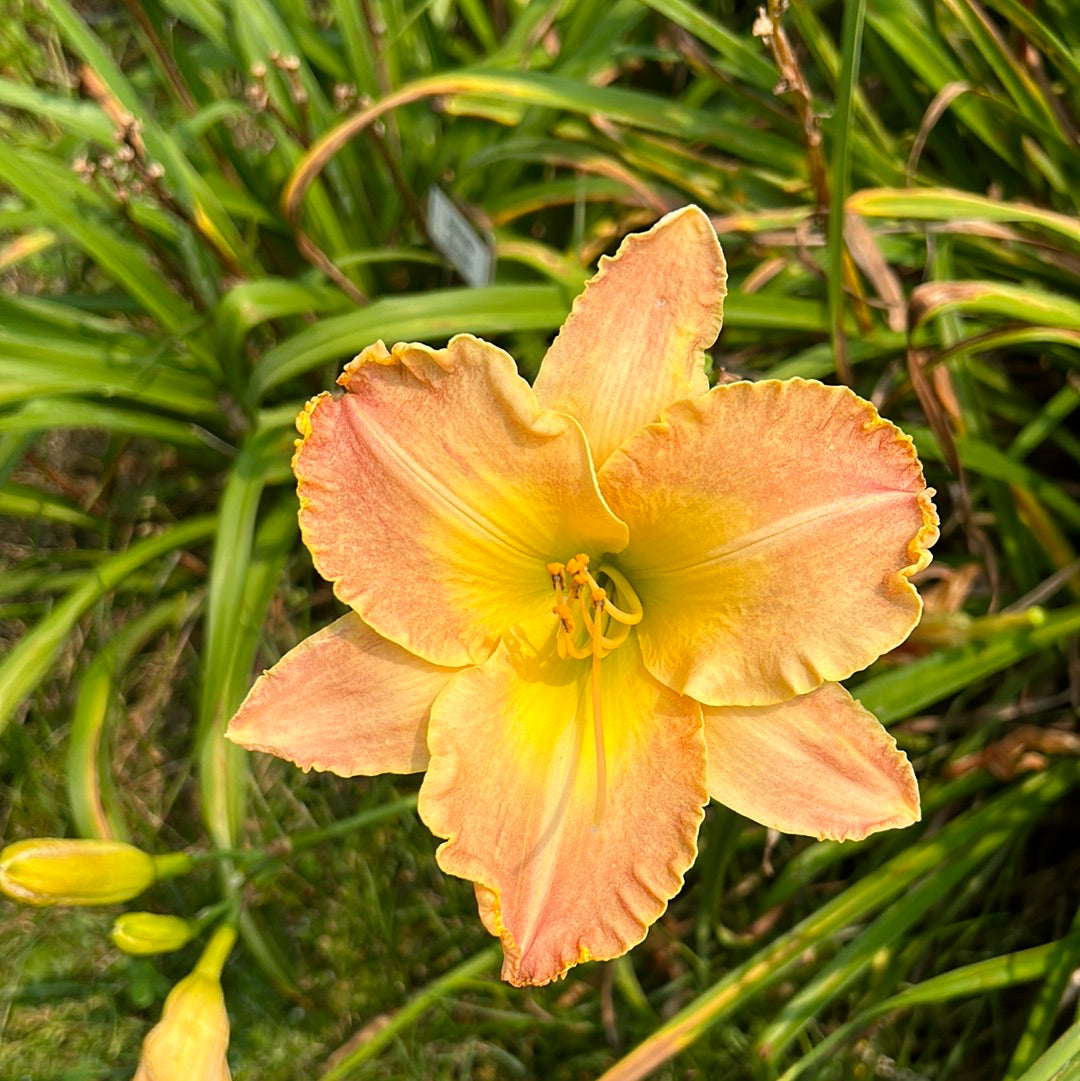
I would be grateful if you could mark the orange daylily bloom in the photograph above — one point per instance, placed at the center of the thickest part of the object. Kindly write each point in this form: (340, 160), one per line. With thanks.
(587, 606)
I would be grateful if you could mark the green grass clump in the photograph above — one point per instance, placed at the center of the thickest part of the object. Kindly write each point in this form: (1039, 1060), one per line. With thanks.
(186, 258)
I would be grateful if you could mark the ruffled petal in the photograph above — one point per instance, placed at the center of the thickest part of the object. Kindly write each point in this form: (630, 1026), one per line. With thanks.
(435, 492)
(774, 529)
(819, 765)
(562, 876)
(343, 700)
(635, 340)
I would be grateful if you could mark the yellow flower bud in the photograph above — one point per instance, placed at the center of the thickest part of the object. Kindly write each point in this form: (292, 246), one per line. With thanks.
(54, 871)
(147, 932)
(192, 1037)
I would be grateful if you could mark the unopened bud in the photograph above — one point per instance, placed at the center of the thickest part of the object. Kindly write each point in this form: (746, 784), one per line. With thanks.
(192, 1037)
(54, 871)
(142, 933)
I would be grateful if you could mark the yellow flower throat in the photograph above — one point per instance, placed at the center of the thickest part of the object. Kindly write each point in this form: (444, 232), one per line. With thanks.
(580, 596)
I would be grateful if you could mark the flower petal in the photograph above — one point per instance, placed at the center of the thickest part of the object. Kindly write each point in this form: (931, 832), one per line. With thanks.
(819, 765)
(635, 340)
(435, 492)
(774, 528)
(513, 783)
(343, 700)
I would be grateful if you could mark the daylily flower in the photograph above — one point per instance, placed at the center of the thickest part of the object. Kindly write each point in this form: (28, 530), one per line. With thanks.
(587, 606)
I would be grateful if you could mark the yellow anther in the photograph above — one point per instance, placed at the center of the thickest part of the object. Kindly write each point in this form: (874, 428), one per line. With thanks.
(596, 614)
(583, 623)
(558, 581)
(592, 623)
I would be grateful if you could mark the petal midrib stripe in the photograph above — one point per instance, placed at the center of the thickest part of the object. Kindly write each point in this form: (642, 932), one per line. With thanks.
(775, 530)
(393, 452)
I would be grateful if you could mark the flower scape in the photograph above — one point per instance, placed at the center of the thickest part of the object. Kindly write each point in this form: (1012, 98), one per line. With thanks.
(588, 606)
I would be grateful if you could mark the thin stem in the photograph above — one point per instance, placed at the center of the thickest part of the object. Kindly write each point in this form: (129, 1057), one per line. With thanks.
(267, 864)
(441, 988)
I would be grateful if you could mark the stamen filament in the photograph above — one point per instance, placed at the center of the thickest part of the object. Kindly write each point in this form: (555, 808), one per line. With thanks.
(592, 624)
(613, 642)
(598, 745)
(579, 653)
(597, 613)
(622, 589)
(564, 638)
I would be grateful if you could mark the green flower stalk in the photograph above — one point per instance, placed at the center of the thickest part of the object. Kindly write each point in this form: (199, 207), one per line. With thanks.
(57, 871)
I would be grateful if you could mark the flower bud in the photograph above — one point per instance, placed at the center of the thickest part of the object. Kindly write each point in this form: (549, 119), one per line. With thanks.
(147, 932)
(54, 871)
(192, 1037)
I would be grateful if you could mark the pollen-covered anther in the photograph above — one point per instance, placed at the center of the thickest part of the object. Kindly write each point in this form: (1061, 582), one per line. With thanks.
(589, 605)
(566, 617)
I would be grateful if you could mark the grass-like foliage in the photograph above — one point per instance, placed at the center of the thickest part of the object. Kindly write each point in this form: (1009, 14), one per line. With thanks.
(208, 206)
